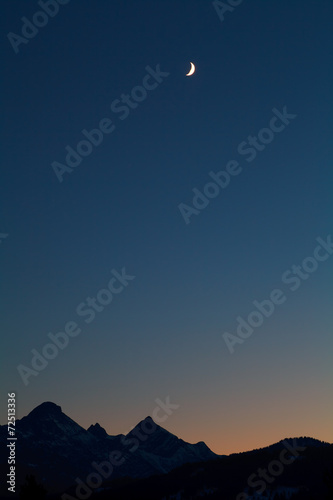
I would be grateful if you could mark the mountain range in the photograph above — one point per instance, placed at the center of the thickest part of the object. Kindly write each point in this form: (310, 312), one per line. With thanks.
(151, 463)
(56, 449)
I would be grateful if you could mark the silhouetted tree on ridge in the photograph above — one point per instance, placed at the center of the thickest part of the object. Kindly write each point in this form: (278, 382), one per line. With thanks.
(32, 490)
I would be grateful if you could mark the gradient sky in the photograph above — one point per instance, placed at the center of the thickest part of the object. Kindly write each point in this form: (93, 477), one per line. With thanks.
(162, 335)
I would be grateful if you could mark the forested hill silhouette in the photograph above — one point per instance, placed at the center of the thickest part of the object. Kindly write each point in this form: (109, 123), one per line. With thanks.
(57, 455)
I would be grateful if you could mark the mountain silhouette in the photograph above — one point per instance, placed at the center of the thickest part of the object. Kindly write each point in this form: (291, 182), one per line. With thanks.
(54, 448)
(56, 454)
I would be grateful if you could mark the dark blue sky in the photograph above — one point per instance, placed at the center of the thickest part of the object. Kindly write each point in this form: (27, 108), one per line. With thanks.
(162, 335)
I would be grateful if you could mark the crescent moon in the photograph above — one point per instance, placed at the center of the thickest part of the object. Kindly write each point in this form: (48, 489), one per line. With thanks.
(192, 70)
